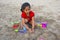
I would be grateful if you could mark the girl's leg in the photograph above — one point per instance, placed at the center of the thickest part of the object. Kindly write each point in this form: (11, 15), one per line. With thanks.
(35, 25)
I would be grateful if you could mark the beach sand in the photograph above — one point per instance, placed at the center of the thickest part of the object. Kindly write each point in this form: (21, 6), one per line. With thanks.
(44, 11)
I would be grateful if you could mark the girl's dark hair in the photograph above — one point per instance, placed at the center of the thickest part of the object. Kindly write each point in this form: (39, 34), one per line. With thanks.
(24, 5)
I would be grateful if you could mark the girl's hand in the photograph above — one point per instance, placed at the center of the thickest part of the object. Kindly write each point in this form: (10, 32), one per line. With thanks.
(32, 29)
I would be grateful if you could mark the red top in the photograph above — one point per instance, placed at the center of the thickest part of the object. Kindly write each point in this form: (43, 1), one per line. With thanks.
(29, 18)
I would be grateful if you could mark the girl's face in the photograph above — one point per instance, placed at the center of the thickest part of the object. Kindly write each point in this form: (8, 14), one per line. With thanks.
(27, 10)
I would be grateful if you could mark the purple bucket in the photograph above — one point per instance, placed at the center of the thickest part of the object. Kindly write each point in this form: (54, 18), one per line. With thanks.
(44, 25)
(22, 31)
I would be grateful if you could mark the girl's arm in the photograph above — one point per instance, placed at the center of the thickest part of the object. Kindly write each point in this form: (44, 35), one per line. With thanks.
(32, 22)
(23, 22)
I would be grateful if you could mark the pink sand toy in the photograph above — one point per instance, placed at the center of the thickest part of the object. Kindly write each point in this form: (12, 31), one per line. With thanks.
(41, 39)
(44, 25)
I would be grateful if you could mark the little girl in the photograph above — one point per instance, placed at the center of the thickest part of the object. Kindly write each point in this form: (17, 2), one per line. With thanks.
(27, 17)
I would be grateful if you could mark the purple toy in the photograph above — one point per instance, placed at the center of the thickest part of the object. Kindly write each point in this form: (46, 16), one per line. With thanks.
(44, 25)
(41, 39)
(24, 30)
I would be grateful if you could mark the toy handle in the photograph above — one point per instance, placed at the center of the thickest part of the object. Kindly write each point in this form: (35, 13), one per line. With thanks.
(24, 28)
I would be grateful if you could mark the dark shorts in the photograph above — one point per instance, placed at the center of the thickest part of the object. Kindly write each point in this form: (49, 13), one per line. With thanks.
(29, 25)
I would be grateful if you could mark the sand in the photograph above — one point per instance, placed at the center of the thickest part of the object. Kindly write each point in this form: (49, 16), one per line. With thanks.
(44, 11)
